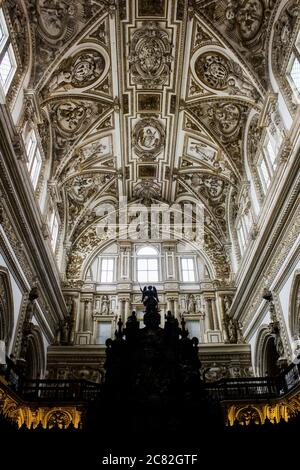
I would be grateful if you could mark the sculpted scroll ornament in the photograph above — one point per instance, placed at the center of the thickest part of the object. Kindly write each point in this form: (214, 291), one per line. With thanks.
(82, 187)
(70, 118)
(225, 119)
(218, 72)
(58, 20)
(245, 24)
(148, 191)
(79, 71)
(55, 22)
(214, 192)
(82, 248)
(150, 56)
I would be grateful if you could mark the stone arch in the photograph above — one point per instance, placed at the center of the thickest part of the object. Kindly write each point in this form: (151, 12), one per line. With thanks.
(266, 355)
(294, 307)
(57, 418)
(249, 415)
(6, 307)
(35, 354)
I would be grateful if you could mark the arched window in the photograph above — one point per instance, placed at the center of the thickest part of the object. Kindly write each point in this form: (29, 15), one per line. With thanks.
(34, 159)
(147, 264)
(8, 64)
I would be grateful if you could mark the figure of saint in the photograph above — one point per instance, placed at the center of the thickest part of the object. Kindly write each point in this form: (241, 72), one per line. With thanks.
(148, 138)
(227, 303)
(105, 305)
(232, 331)
(191, 304)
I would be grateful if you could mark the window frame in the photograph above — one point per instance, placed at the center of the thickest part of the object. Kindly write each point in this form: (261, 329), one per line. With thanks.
(107, 271)
(34, 158)
(295, 56)
(188, 270)
(6, 48)
(146, 258)
(262, 161)
(53, 223)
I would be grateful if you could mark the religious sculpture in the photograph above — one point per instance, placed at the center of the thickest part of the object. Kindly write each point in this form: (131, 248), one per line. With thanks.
(105, 307)
(191, 305)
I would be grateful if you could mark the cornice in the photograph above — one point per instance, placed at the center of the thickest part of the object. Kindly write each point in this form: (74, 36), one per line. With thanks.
(25, 216)
(280, 225)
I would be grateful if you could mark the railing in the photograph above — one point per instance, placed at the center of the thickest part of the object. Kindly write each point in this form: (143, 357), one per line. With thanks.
(251, 387)
(59, 390)
(255, 387)
(224, 389)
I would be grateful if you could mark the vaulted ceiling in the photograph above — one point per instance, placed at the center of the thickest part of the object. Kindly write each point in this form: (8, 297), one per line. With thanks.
(146, 99)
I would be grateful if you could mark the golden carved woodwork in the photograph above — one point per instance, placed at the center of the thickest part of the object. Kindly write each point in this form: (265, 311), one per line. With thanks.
(32, 414)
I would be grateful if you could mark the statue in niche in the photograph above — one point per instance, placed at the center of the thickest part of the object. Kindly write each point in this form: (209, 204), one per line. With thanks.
(191, 304)
(105, 306)
(227, 303)
(232, 331)
(65, 332)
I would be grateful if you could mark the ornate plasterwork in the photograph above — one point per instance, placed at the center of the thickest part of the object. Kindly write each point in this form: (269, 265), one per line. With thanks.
(16, 245)
(218, 72)
(79, 71)
(70, 118)
(213, 191)
(17, 19)
(274, 264)
(81, 249)
(150, 56)
(253, 145)
(202, 37)
(244, 23)
(285, 33)
(56, 24)
(219, 258)
(148, 138)
(80, 191)
(147, 191)
(226, 120)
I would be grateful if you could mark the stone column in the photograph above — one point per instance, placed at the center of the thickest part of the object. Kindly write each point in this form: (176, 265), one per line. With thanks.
(87, 315)
(169, 304)
(215, 315)
(202, 327)
(82, 315)
(127, 310)
(208, 316)
(176, 310)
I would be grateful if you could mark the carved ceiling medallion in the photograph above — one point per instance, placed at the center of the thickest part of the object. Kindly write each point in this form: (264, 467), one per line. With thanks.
(150, 56)
(213, 70)
(148, 138)
(220, 73)
(249, 18)
(80, 71)
(70, 116)
(57, 17)
(226, 117)
(243, 17)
